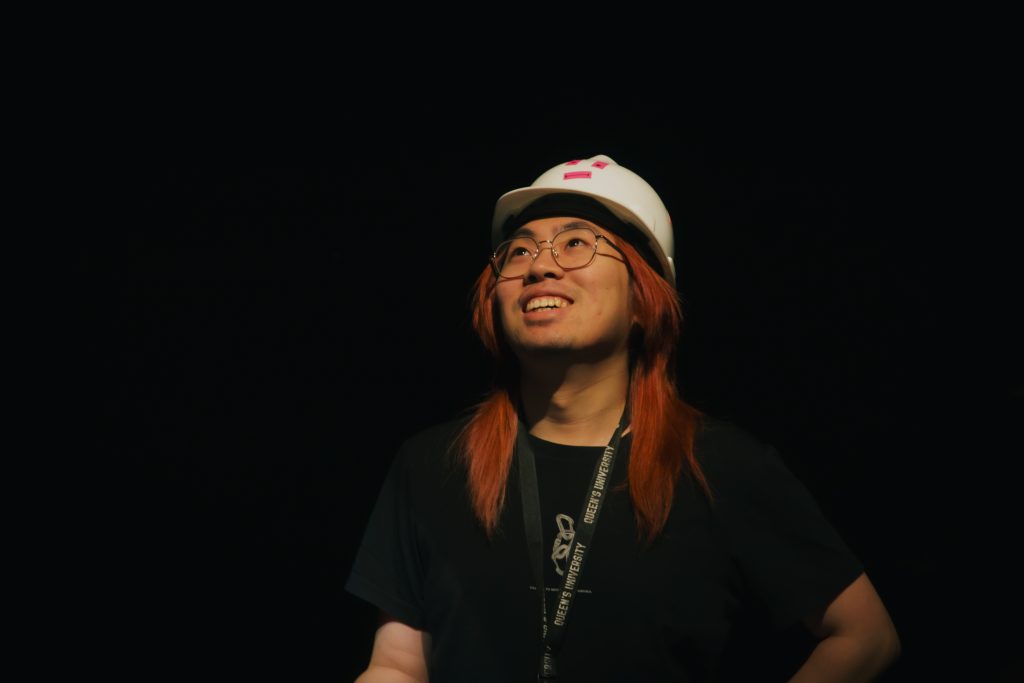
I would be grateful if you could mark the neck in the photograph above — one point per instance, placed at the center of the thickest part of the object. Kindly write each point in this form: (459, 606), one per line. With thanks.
(576, 404)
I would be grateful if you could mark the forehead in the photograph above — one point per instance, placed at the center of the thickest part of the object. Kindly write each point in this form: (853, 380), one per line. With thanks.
(545, 228)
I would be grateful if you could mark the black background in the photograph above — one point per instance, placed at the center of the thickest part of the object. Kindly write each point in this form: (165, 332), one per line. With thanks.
(267, 333)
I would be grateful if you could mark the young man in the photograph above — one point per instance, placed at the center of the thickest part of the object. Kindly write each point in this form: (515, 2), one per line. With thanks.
(650, 529)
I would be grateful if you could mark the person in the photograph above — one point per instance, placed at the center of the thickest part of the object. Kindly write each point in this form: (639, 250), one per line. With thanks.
(583, 522)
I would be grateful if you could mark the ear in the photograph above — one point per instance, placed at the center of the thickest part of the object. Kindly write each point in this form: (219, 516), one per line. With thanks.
(632, 304)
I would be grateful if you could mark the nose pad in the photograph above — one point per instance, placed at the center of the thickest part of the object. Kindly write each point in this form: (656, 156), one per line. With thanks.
(538, 269)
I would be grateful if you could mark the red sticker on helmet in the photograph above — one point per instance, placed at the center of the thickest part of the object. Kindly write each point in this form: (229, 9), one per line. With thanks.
(573, 162)
(600, 164)
(576, 174)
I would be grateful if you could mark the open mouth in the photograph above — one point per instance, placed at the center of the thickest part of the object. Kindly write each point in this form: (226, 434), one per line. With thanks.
(544, 303)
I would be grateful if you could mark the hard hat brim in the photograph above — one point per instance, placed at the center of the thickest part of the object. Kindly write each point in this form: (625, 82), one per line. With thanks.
(515, 201)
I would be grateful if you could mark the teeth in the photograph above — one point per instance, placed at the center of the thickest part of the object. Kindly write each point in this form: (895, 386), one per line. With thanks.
(546, 302)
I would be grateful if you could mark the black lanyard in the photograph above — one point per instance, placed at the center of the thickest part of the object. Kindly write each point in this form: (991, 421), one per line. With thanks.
(579, 550)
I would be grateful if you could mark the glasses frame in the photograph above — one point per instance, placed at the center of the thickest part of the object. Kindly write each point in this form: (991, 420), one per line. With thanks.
(534, 255)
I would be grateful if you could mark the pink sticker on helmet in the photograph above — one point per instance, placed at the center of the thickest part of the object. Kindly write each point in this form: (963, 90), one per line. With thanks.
(576, 174)
(573, 162)
(600, 164)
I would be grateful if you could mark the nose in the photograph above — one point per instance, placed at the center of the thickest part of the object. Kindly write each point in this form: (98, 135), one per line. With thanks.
(544, 265)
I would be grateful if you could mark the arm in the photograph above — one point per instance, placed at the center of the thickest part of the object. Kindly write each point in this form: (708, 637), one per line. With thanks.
(399, 654)
(858, 639)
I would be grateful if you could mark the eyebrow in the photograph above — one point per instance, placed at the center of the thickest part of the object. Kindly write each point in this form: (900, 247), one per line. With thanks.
(564, 226)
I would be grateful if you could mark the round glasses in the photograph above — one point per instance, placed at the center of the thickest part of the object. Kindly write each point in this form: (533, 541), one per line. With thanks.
(572, 248)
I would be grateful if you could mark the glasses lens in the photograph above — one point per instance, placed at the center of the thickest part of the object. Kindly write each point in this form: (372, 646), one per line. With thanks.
(575, 247)
(513, 258)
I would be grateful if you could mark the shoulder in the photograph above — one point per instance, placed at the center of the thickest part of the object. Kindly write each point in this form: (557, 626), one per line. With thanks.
(436, 436)
(731, 455)
(720, 441)
(432, 446)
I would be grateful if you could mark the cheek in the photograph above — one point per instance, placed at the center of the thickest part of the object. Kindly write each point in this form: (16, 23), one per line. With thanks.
(616, 298)
(504, 307)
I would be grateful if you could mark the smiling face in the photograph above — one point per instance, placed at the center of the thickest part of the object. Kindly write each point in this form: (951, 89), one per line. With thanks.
(582, 312)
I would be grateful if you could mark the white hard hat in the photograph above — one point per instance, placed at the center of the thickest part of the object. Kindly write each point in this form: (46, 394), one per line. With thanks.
(624, 193)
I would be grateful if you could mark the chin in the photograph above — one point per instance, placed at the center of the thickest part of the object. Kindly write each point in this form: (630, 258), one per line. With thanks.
(561, 349)
(553, 347)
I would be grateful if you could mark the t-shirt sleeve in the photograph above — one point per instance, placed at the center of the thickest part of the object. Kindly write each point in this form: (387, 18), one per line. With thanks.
(387, 568)
(789, 554)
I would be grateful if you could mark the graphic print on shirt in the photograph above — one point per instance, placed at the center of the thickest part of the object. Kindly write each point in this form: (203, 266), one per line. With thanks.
(563, 539)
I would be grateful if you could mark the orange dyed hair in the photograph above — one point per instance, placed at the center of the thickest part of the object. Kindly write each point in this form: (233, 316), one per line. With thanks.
(663, 426)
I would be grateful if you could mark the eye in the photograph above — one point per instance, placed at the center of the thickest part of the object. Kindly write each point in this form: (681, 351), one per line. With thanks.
(575, 240)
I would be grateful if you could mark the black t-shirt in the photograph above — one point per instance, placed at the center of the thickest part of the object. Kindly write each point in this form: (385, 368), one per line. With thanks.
(667, 612)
